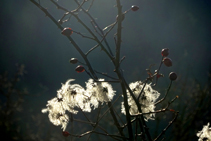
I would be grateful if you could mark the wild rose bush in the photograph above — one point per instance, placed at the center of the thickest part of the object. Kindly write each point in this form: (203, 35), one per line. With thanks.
(139, 98)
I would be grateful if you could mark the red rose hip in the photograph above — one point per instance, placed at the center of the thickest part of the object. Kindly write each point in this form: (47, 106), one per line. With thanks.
(165, 52)
(67, 31)
(65, 133)
(167, 61)
(79, 69)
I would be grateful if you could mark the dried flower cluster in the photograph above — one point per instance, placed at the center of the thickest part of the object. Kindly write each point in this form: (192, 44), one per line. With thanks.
(205, 133)
(146, 100)
(72, 96)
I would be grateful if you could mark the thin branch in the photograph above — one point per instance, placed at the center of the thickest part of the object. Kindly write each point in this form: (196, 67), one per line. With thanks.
(70, 39)
(90, 6)
(97, 122)
(164, 130)
(142, 89)
(158, 71)
(119, 32)
(105, 74)
(165, 94)
(139, 109)
(158, 111)
(94, 23)
(115, 119)
(84, 35)
(103, 39)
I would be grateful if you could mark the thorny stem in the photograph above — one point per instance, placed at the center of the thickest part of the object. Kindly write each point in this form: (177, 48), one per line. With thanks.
(95, 126)
(71, 40)
(116, 62)
(94, 22)
(103, 39)
(115, 120)
(130, 130)
(85, 26)
(118, 45)
(140, 111)
(158, 71)
(119, 33)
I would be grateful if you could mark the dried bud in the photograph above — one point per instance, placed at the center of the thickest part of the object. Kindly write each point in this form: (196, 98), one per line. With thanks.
(60, 21)
(65, 133)
(134, 8)
(172, 76)
(80, 69)
(73, 60)
(165, 52)
(167, 61)
(67, 31)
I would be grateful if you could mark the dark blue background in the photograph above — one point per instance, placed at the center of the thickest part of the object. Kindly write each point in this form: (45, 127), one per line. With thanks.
(28, 37)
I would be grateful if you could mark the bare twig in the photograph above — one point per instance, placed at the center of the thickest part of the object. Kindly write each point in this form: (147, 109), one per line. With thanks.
(70, 39)
(164, 130)
(157, 73)
(158, 111)
(84, 35)
(90, 6)
(165, 94)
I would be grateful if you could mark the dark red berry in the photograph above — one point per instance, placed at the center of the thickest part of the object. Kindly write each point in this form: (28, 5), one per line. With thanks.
(65, 133)
(134, 8)
(80, 69)
(67, 31)
(73, 60)
(167, 61)
(165, 52)
(172, 76)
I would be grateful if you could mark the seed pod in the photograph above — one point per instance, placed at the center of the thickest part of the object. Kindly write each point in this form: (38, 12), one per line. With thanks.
(134, 8)
(65, 133)
(73, 60)
(172, 76)
(165, 52)
(167, 61)
(67, 31)
(79, 69)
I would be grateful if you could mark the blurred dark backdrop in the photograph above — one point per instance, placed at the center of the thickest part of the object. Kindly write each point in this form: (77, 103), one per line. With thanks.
(28, 37)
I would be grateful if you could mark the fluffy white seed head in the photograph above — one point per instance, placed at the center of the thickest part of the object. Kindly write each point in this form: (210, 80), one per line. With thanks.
(205, 133)
(73, 96)
(99, 92)
(146, 100)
